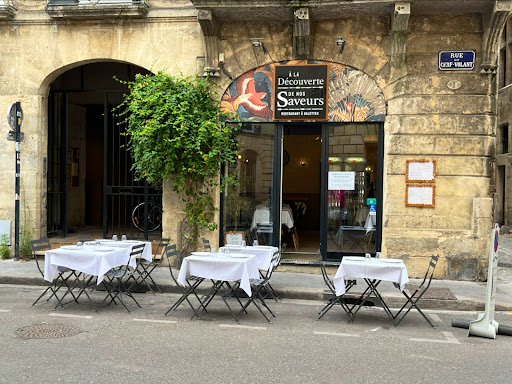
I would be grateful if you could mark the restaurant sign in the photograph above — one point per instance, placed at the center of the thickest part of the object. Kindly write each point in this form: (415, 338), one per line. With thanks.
(456, 60)
(300, 92)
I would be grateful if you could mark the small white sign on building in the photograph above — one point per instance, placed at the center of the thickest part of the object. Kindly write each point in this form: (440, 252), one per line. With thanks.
(5, 229)
(341, 181)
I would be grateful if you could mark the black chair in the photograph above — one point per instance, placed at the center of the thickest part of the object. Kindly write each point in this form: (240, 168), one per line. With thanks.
(335, 299)
(113, 279)
(146, 267)
(62, 279)
(206, 245)
(84, 238)
(170, 252)
(257, 287)
(263, 231)
(413, 299)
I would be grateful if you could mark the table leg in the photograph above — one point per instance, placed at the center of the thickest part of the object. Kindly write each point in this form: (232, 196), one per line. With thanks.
(371, 289)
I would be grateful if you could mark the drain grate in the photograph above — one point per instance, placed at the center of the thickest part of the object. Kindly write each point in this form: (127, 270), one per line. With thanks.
(47, 331)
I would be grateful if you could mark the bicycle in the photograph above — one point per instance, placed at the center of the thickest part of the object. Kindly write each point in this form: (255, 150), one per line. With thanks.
(154, 217)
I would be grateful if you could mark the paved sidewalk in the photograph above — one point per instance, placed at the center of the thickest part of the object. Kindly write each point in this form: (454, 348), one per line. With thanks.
(446, 294)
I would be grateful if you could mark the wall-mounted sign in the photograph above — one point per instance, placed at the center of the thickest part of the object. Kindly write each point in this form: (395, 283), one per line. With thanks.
(420, 195)
(341, 181)
(420, 171)
(300, 92)
(456, 60)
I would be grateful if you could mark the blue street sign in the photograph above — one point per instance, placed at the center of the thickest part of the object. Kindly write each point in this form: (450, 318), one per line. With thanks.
(456, 61)
(373, 210)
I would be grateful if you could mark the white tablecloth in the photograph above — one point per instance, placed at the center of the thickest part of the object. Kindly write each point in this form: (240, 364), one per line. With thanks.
(262, 215)
(263, 253)
(221, 267)
(147, 253)
(381, 269)
(94, 260)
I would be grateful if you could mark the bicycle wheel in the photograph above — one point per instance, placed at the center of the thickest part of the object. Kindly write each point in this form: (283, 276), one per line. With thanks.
(154, 217)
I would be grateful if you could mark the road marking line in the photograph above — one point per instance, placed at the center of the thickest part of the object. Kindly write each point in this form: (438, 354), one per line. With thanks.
(157, 321)
(509, 313)
(4, 310)
(434, 317)
(450, 339)
(337, 334)
(242, 326)
(71, 316)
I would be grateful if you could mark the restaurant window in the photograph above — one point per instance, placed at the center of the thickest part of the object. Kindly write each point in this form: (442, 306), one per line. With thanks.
(352, 188)
(253, 171)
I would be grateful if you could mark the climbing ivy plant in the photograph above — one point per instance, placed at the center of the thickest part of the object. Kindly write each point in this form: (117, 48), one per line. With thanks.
(177, 133)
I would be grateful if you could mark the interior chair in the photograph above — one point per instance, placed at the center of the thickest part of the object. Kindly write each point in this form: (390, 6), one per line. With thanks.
(61, 280)
(257, 288)
(295, 238)
(113, 279)
(335, 299)
(206, 245)
(412, 300)
(84, 238)
(172, 255)
(262, 231)
(145, 267)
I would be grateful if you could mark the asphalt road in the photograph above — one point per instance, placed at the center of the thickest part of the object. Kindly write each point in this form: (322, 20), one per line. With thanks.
(112, 345)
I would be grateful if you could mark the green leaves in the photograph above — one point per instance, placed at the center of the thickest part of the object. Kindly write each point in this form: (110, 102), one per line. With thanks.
(176, 133)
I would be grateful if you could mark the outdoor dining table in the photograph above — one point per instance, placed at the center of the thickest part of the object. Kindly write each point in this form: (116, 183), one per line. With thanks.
(373, 271)
(263, 253)
(92, 258)
(221, 268)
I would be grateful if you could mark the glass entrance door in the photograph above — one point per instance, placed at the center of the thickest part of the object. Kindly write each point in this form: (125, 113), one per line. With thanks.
(352, 190)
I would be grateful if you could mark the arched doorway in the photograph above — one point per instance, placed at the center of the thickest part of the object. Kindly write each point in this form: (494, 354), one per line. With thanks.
(320, 179)
(91, 187)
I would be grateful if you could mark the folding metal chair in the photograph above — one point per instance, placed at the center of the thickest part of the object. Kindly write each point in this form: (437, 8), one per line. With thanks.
(170, 251)
(413, 299)
(62, 278)
(113, 281)
(146, 267)
(257, 286)
(264, 229)
(335, 299)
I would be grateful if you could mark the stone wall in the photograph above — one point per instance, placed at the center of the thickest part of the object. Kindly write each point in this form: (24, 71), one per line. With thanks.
(446, 116)
(37, 49)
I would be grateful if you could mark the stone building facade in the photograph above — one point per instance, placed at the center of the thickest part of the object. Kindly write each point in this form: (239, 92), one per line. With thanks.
(449, 117)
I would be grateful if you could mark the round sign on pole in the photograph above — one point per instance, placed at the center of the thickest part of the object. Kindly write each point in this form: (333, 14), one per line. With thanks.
(11, 116)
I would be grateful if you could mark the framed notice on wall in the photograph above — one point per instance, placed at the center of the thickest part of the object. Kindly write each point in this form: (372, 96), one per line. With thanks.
(420, 195)
(233, 238)
(420, 171)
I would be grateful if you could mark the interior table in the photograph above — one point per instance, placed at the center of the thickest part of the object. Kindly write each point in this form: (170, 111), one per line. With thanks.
(262, 215)
(373, 271)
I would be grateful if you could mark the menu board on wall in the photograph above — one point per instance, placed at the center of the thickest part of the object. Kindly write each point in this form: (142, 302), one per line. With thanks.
(337, 181)
(300, 92)
(420, 171)
(420, 195)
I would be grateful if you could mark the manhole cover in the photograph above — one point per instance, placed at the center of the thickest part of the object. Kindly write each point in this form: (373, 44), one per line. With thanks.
(47, 331)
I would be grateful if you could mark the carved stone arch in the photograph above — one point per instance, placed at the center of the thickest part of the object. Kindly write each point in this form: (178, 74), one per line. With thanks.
(354, 96)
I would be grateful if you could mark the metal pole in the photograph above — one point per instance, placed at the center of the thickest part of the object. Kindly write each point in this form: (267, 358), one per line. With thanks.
(17, 186)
